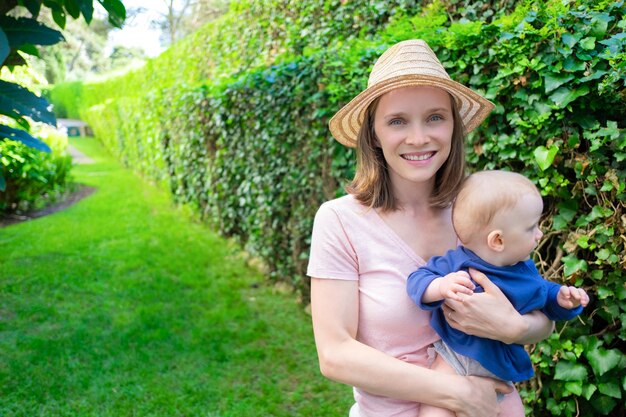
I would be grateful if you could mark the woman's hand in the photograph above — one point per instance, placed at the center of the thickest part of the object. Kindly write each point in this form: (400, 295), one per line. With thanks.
(480, 400)
(488, 314)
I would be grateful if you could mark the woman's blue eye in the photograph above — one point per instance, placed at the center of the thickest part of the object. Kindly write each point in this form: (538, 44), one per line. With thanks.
(435, 118)
(395, 122)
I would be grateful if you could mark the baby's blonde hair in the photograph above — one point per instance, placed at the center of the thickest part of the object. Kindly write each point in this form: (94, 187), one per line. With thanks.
(482, 195)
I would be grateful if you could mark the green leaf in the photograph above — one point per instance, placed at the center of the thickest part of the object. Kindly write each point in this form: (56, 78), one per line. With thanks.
(600, 24)
(30, 49)
(569, 40)
(544, 157)
(568, 371)
(72, 8)
(86, 7)
(575, 387)
(16, 102)
(3, 184)
(24, 137)
(603, 360)
(553, 81)
(588, 391)
(604, 293)
(610, 389)
(33, 6)
(4, 46)
(603, 404)
(563, 96)
(588, 43)
(59, 17)
(573, 265)
(603, 254)
(571, 64)
(23, 30)
(117, 11)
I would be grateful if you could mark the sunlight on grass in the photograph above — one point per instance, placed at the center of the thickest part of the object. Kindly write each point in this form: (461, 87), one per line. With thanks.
(123, 305)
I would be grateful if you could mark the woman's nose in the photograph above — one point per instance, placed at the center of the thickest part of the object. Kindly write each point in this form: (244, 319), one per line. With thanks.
(417, 135)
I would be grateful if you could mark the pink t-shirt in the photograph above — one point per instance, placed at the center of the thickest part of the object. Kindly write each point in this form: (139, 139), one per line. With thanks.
(352, 242)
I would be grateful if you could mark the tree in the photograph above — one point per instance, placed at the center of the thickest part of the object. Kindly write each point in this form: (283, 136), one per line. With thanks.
(182, 17)
(18, 36)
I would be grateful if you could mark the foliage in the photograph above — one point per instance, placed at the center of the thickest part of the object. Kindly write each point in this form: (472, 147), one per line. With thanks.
(33, 178)
(250, 150)
(18, 36)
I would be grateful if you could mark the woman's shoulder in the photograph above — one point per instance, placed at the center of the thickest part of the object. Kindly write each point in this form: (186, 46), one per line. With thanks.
(345, 209)
(346, 205)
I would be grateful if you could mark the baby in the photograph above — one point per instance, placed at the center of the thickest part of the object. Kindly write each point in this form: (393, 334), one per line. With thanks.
(495, 216)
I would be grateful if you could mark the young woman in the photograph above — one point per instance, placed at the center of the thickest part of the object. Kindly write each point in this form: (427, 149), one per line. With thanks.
(408, 128)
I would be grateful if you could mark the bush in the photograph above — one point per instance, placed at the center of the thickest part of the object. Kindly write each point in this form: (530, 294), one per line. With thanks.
(34, 178)
(251, 151)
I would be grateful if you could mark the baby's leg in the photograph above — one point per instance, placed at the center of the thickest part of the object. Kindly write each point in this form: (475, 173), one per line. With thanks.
(439, 365)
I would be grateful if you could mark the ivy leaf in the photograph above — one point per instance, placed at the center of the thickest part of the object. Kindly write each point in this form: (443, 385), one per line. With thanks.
(603, 404)
(569, 371)
(588, 43)
(610, 389)
(588, 391)
(603, 360)
(575, 387)
(571, 64)
(569, 40)
(554, 81)
(573, 265)
(564, 96)
(544, 157)
(600, 23)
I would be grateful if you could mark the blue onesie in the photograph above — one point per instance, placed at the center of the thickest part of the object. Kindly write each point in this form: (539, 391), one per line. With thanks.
(523, 286)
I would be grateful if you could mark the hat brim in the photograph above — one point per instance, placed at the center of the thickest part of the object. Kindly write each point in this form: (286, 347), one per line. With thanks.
(346, 123)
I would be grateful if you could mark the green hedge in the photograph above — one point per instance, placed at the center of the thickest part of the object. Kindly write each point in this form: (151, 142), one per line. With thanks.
(236, 127)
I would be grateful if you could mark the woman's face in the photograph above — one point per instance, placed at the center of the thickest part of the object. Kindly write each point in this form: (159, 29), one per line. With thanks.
(414, 128)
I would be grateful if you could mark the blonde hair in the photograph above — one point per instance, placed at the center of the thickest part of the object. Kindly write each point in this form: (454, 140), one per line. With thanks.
(371, 185)
(483, 195)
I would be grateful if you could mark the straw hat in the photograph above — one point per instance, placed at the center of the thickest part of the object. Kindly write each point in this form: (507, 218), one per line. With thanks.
(407, 64)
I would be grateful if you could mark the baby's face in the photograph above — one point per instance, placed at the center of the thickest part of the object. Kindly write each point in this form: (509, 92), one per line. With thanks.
(520, 228)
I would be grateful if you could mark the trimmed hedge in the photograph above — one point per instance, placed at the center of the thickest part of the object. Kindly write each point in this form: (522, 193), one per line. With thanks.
(250, 150)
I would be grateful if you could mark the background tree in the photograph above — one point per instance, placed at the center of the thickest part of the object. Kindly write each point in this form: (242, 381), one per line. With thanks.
(179, 18)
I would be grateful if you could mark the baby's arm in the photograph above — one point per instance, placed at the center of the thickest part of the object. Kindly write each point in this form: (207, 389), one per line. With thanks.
(448, 287)
(572, 297)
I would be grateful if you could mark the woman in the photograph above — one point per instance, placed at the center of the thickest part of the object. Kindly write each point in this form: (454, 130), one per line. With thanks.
(408, 128)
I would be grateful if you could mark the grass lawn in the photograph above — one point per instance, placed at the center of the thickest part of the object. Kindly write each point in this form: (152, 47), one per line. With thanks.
(123, 305)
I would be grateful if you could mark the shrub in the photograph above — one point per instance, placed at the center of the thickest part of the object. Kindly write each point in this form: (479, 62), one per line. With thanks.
(34, 178)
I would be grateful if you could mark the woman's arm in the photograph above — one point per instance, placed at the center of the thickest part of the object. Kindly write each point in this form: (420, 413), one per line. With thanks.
(491, 315)
(334, 307)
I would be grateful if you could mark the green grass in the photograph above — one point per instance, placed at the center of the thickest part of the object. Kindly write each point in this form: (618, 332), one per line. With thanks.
(123, 305)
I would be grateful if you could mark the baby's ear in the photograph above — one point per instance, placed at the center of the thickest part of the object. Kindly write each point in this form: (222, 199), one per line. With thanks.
(495, 240)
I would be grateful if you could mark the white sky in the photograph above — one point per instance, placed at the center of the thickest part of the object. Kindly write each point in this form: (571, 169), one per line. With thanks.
(137, 31)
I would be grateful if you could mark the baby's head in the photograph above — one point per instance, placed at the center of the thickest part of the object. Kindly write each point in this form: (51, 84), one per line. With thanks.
(496, 215)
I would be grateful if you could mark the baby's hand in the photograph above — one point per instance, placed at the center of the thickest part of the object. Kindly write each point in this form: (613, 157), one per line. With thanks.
(572, 297)
(454, 283)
